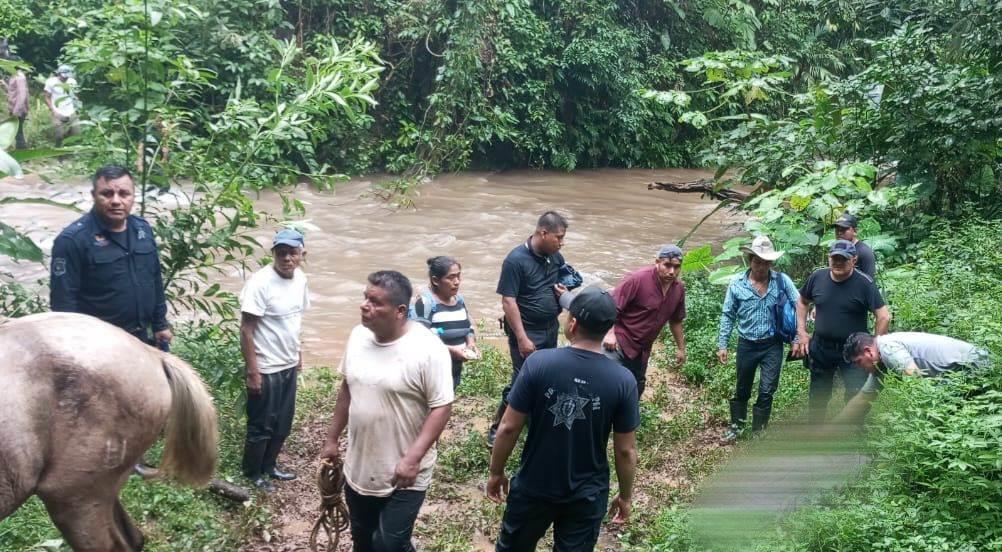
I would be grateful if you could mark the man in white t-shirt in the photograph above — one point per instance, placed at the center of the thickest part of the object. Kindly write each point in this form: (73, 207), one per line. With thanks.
(395, 399)
(272, 304)
(60, 96)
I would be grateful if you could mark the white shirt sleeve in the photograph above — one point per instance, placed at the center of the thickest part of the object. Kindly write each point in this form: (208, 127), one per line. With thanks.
(253, 298)
(438, 376)
(306, 296)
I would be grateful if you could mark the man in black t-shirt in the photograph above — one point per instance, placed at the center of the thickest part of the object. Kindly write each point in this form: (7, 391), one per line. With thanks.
(529, 290)
(572, 397)
(842, 297)
(845, 229)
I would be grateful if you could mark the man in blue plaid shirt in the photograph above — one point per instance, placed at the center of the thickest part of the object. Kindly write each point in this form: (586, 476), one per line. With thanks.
(749, 304)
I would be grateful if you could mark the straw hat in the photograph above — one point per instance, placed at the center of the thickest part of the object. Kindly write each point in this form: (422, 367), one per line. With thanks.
(762, 248)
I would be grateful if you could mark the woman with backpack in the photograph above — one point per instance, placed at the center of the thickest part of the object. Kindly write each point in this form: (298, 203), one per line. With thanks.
(757, 302)
(441, 308)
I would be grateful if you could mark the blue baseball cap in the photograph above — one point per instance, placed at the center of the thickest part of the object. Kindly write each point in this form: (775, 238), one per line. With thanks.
(670, 251)
(288, 236)
(842, 248)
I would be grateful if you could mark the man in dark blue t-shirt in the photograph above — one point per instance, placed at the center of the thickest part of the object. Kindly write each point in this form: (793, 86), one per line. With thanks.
(573, 397)
(529, 291)
(843, 298)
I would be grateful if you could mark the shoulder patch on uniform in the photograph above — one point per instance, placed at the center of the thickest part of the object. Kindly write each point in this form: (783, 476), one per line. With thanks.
(58, 266)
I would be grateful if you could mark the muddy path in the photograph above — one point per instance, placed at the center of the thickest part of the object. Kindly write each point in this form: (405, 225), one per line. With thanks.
(456, 514)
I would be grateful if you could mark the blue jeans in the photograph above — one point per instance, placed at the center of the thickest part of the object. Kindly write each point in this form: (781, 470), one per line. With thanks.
(382, 523)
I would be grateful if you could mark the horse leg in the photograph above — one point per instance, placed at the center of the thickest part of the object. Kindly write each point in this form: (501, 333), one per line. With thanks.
(128, 529)
(19, 474)
(91, 518)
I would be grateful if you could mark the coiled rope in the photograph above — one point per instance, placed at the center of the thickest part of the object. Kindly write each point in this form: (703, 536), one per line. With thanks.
(333, 511)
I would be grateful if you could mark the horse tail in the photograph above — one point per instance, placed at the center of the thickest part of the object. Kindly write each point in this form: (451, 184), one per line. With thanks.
(192, 437)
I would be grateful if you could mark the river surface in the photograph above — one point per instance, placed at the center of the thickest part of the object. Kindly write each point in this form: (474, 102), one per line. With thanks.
(616, 225)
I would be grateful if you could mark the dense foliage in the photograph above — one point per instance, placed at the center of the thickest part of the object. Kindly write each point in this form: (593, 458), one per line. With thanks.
(886, 109)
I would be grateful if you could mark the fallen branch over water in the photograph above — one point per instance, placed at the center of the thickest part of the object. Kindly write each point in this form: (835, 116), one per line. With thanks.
(703, 186)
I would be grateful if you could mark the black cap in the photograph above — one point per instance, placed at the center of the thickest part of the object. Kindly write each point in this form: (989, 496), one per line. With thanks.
(594, 309)
(847, 221)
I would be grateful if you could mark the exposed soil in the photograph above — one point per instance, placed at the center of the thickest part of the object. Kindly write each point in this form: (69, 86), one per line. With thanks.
(456, 514)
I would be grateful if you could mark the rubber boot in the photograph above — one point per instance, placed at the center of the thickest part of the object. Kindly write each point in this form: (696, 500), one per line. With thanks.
(270, 464)
(739, 414)
(253, 460)
(760, 418)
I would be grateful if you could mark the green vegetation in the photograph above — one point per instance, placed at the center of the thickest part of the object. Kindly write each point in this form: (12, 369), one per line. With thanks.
(886, 109)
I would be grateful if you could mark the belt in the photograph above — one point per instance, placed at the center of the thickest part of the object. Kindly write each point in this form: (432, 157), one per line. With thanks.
(770, 339)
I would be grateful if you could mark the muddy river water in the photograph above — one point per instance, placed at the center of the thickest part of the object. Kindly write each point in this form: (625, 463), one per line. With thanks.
(616, 225)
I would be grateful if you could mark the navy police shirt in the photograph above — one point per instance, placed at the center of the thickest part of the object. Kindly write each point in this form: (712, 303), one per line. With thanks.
(114, 276)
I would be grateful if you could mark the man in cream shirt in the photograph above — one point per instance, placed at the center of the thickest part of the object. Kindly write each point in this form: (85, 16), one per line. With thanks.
(395, 399)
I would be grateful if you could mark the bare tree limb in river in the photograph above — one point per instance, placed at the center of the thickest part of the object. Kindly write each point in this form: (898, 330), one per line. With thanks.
(703, 186)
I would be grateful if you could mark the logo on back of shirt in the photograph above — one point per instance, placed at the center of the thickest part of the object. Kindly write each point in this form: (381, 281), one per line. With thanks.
(568, 408)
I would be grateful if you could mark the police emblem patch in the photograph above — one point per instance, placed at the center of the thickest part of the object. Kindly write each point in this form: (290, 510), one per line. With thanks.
(100, 240)
(141, 235)
(58, 266)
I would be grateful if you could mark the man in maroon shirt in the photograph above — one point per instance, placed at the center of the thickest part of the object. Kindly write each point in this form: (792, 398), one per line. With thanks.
(647, 299)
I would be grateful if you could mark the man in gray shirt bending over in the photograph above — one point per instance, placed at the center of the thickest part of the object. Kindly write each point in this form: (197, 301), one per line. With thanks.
(910, 354)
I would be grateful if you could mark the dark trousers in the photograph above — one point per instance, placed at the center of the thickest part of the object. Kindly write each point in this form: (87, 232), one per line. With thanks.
(19, 141)
(269, 421)
(636, 366)
(767, 356)
(575, 524)
(824, 359)
(545, 338)
(382, 523)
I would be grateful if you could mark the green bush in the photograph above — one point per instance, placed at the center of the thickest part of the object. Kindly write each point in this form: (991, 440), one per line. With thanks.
(935, 482)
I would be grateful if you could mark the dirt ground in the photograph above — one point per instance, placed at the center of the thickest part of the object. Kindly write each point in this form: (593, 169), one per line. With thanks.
(456, 514)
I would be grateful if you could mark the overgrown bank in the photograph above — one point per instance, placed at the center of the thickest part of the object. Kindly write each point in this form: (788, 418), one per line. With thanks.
(935, 480)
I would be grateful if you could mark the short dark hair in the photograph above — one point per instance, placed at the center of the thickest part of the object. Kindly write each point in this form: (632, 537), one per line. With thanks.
(396, 285)
(439, 266)
(591, 333)
(855, 344)
(110, 172)
(551, 221)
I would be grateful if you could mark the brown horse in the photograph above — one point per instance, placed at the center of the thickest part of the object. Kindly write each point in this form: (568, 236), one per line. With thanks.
(81, 400)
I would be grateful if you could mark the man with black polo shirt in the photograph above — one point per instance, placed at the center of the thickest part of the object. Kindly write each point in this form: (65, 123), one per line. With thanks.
(842, 297)
(572, 397)
(529, 292)
(845, 229)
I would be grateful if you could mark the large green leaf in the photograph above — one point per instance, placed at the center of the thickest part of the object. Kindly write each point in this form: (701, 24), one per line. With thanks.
(18, 246)
(698, 259)
(724, 275)
(8, 130)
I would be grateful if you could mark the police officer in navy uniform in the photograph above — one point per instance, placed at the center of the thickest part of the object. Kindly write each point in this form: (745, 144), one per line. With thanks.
(106, 263)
